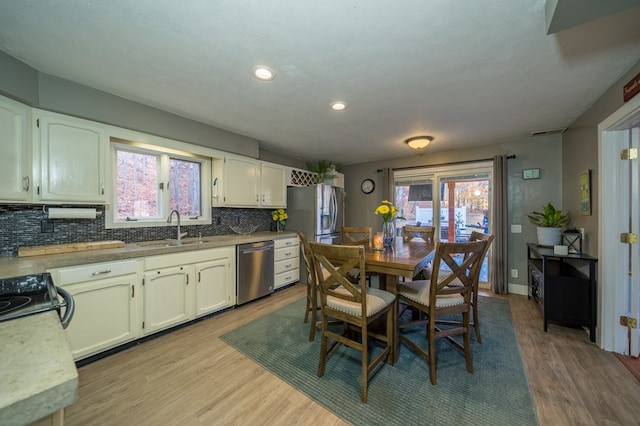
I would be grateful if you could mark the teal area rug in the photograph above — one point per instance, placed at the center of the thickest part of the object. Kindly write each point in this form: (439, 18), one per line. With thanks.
(496, 394)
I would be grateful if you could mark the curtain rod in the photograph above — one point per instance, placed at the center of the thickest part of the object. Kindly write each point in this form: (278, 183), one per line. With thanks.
(453, 163)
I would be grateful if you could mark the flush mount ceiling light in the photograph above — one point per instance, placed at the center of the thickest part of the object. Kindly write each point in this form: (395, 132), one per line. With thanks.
(419, 142)
(338, 106)
(263, 73)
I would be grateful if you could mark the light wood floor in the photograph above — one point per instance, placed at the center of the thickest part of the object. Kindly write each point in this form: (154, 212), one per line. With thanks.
(190, 377)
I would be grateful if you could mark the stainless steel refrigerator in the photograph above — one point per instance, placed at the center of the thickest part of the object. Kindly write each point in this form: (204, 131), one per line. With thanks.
(318, 212)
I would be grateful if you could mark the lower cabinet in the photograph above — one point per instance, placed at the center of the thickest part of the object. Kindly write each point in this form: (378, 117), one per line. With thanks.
(215, 282)
(286, 266)
(106, 299)
(180, 287)
(168, 297)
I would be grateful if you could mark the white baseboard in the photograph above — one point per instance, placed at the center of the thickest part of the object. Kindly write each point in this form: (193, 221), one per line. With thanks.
(518, 289)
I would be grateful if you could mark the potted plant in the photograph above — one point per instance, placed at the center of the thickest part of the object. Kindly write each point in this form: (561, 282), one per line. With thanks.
(324, 170)
(549, 222)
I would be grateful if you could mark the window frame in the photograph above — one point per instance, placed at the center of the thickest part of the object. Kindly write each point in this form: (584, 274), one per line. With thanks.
(165, 150)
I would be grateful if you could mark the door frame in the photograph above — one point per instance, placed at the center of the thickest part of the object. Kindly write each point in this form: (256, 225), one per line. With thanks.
(612, 268)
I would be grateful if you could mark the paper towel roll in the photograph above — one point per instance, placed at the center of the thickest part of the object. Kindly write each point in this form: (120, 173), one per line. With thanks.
(72, 213)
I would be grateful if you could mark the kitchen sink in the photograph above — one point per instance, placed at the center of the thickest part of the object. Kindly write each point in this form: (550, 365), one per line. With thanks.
(173, 243)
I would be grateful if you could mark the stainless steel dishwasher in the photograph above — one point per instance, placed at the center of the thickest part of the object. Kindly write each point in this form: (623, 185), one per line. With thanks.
(254, 276)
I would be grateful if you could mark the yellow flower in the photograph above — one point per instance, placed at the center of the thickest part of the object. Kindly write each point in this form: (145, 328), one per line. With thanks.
(279, 215)
(388, 211)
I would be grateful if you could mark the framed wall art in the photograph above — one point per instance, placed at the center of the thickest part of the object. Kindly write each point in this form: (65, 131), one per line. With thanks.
(585, 193)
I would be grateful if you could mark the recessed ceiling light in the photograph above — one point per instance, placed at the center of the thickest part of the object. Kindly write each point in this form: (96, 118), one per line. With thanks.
(338, 105)
(264, 73)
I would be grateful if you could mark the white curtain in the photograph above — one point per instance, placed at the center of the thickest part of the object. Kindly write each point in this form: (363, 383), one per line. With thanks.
(499, 282)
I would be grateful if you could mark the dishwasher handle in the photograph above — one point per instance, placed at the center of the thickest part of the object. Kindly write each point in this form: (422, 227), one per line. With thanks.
(255, 249)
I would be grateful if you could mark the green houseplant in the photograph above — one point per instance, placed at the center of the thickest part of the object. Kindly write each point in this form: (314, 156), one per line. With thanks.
(549, 222)
(324, 170)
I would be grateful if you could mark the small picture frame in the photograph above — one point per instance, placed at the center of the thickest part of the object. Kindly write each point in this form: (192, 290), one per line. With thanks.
(585, 192)
(530, 174)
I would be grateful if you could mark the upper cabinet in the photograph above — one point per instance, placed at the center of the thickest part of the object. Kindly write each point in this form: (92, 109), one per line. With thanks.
(251, 183)
(273, 185)
(15, 151)
(242, 180)
(72, 159)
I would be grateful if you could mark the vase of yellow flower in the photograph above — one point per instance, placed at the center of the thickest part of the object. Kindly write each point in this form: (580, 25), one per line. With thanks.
(389, 214)
(280, 217)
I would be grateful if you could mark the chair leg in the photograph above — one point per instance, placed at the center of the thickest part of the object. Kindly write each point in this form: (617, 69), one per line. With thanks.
(308, 309)
(431, 338)
(323, 347)
(467, 343)
(476, 323)
(365, 365)
(314, 315)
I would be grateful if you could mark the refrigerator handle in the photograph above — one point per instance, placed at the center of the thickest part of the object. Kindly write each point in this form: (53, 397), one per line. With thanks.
(334, 210)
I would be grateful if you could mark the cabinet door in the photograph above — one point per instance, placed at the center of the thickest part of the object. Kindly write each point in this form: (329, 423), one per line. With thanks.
(104, 317)
(72, 159)
(241, 181)
(15, 152)
(168, 297)
(273, 185)
(214, 286)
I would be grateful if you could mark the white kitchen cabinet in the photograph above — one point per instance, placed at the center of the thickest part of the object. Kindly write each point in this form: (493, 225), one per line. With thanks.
(273, 185)
(15, 151)
(72, 159)
(168, 297)
(286, 261)
(215, 281)
(107, 300)
(241, 181)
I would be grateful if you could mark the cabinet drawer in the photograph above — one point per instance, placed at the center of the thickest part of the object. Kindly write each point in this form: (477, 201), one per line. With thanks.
(285, 242)
(95, 271)
(284, 253)
(187, 257)
(286, 265)
(286, 277)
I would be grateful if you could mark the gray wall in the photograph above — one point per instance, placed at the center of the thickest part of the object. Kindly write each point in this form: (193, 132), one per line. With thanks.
(580, 152)
(543, 152)
(23, 83)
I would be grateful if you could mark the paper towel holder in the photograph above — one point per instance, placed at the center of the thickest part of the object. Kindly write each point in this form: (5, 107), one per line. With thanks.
(45, 210)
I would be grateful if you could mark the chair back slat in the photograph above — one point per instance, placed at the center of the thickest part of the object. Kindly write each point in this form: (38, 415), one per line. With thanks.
(356, 235)
(424, 232)
(338, 260)
(463, 262)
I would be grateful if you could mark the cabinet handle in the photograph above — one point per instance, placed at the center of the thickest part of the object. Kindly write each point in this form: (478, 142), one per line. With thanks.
(106, 271)
(187, 279)
(102, 188)
(133, 291)
(26, 183)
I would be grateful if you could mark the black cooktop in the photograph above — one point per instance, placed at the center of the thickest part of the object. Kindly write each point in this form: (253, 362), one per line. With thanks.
(26, 295)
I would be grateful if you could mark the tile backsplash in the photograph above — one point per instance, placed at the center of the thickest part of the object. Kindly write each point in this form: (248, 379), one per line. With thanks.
(21, 226)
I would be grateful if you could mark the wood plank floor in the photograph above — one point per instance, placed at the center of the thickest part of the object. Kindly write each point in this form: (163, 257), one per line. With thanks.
(191, 377)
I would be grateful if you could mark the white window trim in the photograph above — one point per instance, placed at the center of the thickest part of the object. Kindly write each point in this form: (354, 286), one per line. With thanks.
(174, 149)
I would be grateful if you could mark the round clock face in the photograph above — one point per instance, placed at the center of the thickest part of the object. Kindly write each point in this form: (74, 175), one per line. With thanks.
(367, 186)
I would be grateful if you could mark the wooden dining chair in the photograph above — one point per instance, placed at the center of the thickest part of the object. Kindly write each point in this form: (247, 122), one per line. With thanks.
(356, 305)
(435, 298)
(355, 236)
(425, 233)
(475, 324)
(312, 306)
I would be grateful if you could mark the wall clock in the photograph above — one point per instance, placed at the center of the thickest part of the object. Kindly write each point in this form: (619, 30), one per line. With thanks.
(367, 186)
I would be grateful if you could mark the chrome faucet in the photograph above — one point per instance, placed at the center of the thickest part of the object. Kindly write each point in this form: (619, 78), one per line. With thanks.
(180, 235)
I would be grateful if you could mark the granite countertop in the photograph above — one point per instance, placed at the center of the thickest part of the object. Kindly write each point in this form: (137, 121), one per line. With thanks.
(11, 266)
(38, 376)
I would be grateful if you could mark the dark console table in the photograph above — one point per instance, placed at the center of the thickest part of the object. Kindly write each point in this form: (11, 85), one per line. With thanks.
(563, 287)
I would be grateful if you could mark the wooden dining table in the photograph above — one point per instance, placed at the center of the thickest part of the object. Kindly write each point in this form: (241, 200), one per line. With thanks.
(405, 259)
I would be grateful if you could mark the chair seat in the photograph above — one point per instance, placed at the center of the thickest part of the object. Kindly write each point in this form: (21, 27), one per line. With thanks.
(418, 291)
(377, 300)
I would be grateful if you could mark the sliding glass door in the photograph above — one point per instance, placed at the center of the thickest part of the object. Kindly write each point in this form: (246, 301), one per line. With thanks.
(459, 193)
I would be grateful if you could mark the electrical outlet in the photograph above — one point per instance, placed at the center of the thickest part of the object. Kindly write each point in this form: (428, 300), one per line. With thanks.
(46, 226)
(218, 220)
(514, 273)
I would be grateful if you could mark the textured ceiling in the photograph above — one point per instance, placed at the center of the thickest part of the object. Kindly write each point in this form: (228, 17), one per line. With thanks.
(466, 72)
